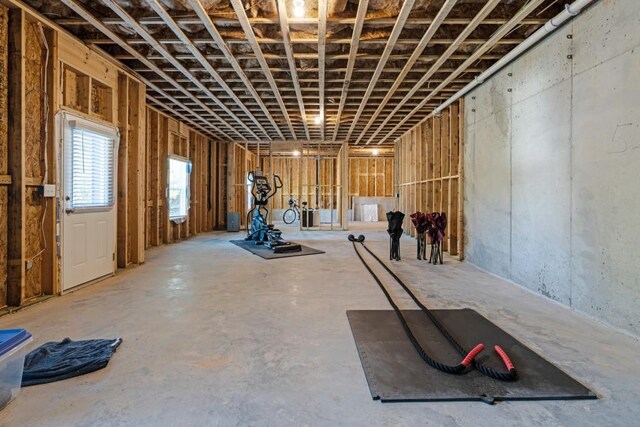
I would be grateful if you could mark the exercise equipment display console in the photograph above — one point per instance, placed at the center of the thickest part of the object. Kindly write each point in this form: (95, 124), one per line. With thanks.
(260, 231)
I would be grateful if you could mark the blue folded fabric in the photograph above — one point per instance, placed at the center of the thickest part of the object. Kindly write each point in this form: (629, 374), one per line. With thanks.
(55, 361)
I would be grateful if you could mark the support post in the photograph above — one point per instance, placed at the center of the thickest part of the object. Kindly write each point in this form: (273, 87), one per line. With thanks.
(16, 161)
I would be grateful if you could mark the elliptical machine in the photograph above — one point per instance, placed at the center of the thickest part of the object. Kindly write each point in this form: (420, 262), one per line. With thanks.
(261, 231)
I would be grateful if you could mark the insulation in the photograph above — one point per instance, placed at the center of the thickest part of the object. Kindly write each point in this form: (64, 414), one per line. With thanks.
(343, 106)
(34, 146)
(4, 27)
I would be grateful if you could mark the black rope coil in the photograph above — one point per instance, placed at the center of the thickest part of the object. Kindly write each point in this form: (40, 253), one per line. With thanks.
(469, 356)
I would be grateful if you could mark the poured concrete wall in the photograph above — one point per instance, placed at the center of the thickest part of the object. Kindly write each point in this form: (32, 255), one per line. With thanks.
(552, 167)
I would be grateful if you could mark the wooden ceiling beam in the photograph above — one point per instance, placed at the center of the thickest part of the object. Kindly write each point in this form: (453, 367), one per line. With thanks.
(88, 16)
(284, 29)
(185, 118)
(351, 62)
(313, 70)
(310, 41)
(322, 39)
(488, 7)
(238, 7)
(167, 56)
(194, 20)
(160, 10)
(220, 43)
(328, 81)
(391, 43)
(426, 38)
(307, 55)
(501, 32)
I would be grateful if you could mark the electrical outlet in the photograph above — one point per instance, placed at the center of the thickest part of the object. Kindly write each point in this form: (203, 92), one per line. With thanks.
(28, 264)
(49, 190)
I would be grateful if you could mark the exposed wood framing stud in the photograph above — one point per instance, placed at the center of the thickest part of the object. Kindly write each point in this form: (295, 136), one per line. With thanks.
(16, 161)
(322, 41)
(431, 174)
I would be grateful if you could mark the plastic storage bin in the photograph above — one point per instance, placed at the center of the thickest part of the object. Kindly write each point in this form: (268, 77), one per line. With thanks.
(307, 217)
(233, 221)
(13, 349)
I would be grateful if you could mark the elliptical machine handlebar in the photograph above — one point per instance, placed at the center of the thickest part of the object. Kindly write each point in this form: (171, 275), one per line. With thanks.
(277, 184)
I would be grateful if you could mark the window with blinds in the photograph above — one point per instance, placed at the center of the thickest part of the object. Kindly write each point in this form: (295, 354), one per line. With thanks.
(179, 187)
(92, 173)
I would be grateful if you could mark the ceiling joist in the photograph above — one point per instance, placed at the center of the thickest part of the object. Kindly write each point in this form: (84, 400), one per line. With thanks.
(284, 29)
(359, 71)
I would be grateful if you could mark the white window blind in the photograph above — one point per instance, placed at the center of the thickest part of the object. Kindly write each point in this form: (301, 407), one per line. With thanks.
(92, 174)
(179, 171)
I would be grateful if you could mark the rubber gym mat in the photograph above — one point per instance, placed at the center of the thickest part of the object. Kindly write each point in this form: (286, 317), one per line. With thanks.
(267, 253)
(396, 373)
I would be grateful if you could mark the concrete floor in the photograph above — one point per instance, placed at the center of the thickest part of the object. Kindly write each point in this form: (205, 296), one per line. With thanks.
(216, 336)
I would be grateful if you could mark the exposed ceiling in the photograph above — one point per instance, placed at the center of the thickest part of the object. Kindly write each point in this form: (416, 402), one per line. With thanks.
(364, 71)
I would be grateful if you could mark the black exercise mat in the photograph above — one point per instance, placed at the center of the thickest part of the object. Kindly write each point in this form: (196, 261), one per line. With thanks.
(267, 253)
(395, 372)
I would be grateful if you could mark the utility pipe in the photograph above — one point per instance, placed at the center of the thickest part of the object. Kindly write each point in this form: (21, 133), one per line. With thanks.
(552, 25)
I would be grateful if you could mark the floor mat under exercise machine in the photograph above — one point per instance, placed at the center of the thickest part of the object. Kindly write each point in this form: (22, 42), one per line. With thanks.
(396, 373)
(267, 253)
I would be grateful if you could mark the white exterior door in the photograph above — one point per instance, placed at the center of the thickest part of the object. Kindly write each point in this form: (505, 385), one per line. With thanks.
(88, 200)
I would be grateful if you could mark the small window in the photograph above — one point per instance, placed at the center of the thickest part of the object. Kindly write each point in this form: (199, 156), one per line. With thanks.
(179, 177)
(92, 174)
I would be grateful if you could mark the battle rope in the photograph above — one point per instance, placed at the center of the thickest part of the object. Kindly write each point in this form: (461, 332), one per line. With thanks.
(510, 375)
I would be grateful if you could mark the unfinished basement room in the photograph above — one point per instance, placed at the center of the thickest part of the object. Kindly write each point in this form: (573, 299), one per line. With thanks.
(319, 213)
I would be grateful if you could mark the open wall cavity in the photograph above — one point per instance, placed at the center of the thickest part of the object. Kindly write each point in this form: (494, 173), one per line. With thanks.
(43, 73)
(26, 156)
(5, 178)
(429, 170)
(166, 137)
(371, 182)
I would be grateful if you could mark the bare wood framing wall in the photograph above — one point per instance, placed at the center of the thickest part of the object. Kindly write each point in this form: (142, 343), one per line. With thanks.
(320, 194)
(298, 176)
(36, 58)
(429, 172)
(288, 169)
(240, 160)
(167, 136)
(371, 177)
(27, 247)
(131, 170)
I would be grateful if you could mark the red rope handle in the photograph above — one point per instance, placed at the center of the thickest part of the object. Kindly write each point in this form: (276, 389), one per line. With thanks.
(503, 355)
(472, 355)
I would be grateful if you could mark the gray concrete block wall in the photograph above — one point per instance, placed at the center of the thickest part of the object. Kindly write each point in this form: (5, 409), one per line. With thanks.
(552, 167)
